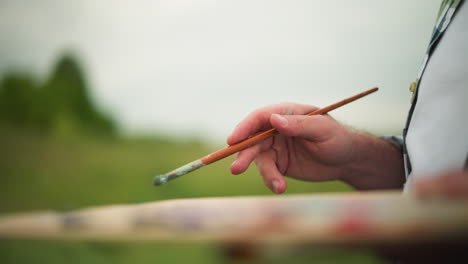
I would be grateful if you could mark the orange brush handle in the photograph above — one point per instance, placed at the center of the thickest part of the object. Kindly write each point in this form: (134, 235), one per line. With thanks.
(225, 152)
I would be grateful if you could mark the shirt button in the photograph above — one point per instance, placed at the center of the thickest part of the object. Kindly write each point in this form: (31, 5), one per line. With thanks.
(412, 87)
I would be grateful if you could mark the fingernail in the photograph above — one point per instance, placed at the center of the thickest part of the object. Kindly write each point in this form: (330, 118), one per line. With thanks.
(275, 186)
(283, 121)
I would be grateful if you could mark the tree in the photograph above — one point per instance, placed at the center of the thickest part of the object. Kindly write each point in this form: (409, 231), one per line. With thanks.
(63, 103)
(20, 101)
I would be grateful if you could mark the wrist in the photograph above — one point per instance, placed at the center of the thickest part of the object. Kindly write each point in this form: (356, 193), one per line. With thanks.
(375, 163)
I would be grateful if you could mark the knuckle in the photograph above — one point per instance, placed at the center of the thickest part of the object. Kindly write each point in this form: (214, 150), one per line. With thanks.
(286, 108)
(258, 115)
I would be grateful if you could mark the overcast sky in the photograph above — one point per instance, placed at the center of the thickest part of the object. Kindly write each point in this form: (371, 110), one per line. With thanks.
(199, 66)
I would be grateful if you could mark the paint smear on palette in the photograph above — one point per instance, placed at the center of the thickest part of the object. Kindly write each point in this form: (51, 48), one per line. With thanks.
(354, 219)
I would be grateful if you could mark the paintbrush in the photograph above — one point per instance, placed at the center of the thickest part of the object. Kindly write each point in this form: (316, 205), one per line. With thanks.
(229, 150)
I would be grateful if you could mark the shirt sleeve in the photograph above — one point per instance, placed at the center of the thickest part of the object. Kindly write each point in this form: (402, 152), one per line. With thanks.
(397, 141)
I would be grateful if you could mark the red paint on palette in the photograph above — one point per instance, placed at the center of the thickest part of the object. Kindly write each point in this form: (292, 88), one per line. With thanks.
(353, 225)
(354, 220)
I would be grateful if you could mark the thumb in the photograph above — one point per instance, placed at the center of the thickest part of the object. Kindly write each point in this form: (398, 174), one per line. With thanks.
(315, 128)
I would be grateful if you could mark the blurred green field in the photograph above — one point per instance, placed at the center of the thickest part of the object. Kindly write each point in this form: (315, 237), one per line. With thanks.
(40, 173)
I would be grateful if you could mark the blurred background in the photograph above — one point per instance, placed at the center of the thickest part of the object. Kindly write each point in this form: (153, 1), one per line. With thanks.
(96, 97)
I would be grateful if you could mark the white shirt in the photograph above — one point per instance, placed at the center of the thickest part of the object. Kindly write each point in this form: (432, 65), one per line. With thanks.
(437, 138)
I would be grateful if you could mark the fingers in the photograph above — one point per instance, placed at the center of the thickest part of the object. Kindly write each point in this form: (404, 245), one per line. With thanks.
(315, 128)
(450, 185)
(271, 176)
(266, 164)
(245, 157)
(260, 119)
(243, 160)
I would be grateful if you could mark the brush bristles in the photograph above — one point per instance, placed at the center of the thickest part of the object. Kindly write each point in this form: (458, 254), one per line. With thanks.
(160, 180)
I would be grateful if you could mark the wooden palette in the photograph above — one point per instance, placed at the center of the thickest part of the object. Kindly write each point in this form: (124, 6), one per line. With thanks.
(341, 218)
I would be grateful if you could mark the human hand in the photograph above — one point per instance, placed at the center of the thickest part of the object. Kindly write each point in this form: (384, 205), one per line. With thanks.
(310, 148)
(452, 184)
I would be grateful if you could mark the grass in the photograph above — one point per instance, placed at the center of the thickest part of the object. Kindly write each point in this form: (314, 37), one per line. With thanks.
(40, 173)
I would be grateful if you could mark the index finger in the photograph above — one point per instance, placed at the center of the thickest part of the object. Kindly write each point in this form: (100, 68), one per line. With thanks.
(259, 120)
